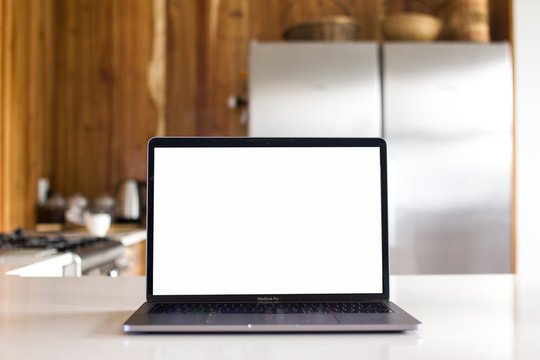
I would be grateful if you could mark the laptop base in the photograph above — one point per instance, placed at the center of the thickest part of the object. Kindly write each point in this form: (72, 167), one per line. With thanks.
(143, 322)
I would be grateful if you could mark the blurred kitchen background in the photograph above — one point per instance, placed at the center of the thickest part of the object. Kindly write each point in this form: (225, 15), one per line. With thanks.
(85, 84)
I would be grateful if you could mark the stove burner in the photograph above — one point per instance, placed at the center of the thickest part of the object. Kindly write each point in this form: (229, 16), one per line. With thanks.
(19, 240)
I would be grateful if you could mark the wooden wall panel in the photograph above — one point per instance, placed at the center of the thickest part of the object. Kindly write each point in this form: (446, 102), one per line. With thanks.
(7, 157)
(182, 68)
(48, 90)
(206, 56)
(104, 113)
(136, 118)
(499, 19)
(24, 107)
(75, 100)
(225, 52)
(157, 68)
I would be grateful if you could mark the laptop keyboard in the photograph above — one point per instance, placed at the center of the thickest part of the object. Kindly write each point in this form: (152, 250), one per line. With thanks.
(269, 308)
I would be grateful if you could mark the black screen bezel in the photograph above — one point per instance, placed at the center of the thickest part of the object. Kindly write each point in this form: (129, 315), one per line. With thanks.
(264, 142)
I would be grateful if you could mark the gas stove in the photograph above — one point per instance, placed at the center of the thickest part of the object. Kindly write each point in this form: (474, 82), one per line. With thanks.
(60, 242)
(91, 255)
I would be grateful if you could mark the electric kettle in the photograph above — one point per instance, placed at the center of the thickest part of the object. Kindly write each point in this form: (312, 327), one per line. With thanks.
(130, 201)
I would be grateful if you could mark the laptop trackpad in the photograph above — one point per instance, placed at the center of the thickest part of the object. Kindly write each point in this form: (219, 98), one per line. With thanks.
(243, 319)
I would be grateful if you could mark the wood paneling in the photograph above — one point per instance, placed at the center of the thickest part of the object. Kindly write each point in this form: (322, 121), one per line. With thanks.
(225, 57)
(75, 97)
(499, 19)
(157, 68)
(104, 111)
(206, 56)
(182, 68)
(25, 110)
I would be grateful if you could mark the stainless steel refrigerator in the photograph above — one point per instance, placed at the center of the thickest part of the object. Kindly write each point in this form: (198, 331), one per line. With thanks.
(447, 118)
(314, 89)
(447, 115)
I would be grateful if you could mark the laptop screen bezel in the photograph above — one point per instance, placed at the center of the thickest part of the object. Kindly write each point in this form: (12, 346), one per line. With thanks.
(176, 142)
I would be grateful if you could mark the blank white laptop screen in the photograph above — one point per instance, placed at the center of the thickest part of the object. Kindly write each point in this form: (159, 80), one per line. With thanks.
(267, 220)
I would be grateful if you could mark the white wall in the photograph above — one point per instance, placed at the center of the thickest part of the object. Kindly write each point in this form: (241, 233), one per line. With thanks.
(527, 65)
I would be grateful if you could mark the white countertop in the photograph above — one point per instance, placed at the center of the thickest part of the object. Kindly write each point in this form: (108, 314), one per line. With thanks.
(464, 317)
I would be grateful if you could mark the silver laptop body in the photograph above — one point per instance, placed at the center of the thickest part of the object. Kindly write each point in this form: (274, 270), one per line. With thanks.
(267, 235)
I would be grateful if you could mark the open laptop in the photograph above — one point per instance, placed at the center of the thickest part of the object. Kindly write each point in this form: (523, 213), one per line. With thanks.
(267, 235)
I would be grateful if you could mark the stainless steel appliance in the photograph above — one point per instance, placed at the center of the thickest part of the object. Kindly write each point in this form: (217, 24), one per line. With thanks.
(447, 118)
(89, 255)
(130, 201)
(314, 89)
(448, 123)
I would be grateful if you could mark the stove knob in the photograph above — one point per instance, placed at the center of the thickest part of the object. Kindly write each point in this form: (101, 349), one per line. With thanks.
(113, 272)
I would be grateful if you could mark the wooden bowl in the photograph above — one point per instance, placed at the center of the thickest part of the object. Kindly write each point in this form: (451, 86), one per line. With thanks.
(329, 28)
(409, 26)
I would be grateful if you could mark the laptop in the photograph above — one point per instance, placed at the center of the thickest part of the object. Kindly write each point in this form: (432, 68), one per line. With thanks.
(267, 235)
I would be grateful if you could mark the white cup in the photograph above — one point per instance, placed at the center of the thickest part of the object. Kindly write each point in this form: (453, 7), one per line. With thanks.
(97, 224)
